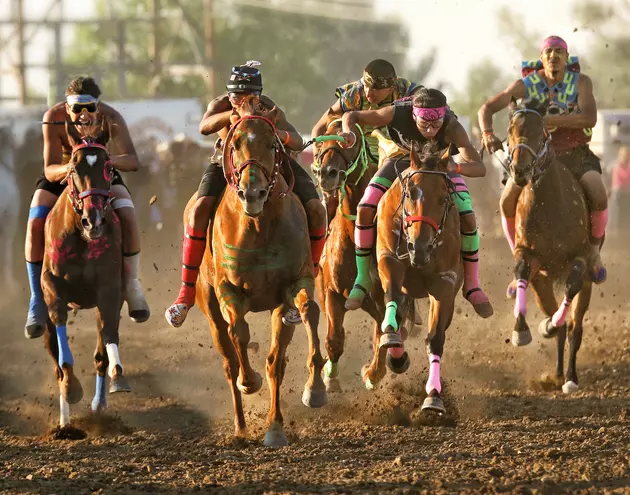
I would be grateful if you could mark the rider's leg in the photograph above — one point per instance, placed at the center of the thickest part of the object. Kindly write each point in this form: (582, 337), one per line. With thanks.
(365, 229)
(508, 202)
(210, 188)
(470, 248)
(132, 290)
(598, 204)
(41, 204)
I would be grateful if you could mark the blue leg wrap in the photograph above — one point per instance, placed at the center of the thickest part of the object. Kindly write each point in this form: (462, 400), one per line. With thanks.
(37, 310)
(65, 356)
(100, 397)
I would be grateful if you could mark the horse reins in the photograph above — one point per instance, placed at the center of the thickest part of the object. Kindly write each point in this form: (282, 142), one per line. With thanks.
(233, 174)
(544, 149)
(76, 200)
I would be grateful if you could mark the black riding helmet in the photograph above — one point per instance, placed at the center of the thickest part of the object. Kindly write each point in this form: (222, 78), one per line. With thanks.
(245, 79)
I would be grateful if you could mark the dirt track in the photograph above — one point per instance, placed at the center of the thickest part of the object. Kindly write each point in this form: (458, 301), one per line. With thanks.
(505, 431)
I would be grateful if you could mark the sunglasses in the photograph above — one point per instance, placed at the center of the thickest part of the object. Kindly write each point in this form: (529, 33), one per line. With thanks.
(429, 124)
(79, 107)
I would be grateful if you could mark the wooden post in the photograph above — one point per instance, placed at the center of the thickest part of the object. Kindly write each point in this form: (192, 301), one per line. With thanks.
(209, 48)
(121, 76)
(21, 60)
(154, 46)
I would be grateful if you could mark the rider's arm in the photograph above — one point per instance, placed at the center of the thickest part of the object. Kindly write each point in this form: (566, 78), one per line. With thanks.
(289, 136)
(320, 127)
(586, 103)
(127, 159)
(373, 118)
(472, 166)
(53, 151)
(217, 116)
(497, 103)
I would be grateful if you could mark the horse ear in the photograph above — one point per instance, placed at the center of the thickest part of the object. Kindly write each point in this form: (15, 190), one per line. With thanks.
(103, 136)
(272, 114)
(73, 135)
(415, 158)
(234, 118)
(513, 104)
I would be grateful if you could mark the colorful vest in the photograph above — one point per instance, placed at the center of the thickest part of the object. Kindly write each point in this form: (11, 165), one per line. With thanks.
(562, 98)
(352, 97)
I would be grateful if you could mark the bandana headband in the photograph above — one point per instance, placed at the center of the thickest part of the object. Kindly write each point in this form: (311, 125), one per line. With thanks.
(556, 41)
(80, 99)
(378, 82)
(429, 113)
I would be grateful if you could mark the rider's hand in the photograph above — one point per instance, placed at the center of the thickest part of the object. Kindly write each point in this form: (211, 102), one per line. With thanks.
(350, 139)
(492, 143)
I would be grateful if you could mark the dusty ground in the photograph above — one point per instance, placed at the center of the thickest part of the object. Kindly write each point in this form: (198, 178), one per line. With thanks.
(505, 430)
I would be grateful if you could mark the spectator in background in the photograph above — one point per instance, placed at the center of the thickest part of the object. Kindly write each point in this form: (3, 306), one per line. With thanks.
(620, 190)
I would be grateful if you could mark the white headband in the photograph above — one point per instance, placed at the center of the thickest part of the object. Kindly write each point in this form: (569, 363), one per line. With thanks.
(72, 99)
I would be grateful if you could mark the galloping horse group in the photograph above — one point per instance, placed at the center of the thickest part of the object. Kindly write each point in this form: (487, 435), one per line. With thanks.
(259, 259)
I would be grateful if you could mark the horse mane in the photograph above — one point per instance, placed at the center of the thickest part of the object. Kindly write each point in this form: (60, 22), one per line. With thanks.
(530, 104)
(429, 157)
(331, 118)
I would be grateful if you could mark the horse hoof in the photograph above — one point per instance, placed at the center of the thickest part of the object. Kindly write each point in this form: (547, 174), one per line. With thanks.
(546, 329)
(275, 437)
(367, 381)
(333, 385)
(70, 387)
(249, 390)
(139, 315)
(434, 404)
(520, 339)
(484, 309)
(398, 365)
(510, 293)
(68, 432)
(314, 398)
(570, 387)
(98, 407)
(118, 383)
(34, 331)
(390, 339)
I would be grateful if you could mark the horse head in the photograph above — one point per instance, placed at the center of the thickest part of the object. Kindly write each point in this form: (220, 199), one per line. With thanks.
(89, 179)
(426, 201)
(334, 163)
(252, 155)
(528, 140)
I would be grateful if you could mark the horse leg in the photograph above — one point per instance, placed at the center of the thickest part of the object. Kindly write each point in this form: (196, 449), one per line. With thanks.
(52, 346)
(440, 317)
(54, 289)
(575, 336)
(523, 272)
(392, 274)
(335, 338)
(101, 362)
(315, 390)
(221, 338)
(375, 371)
(276, 363)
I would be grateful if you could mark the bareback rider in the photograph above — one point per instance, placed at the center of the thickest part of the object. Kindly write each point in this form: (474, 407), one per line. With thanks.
(420, 119)
(245, 80)
(84, 109)
(572, 112)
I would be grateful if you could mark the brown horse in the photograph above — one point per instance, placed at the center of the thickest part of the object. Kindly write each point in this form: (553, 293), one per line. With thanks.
(418, 252)
(83, 269)
(260, 261)
(552, 237)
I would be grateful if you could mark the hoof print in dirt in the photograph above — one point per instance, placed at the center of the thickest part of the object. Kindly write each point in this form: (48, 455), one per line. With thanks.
(67, 432)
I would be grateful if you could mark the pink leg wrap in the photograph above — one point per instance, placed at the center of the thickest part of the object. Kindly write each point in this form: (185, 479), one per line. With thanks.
(364, 236)
(371, 196)
(559, 316)
(460, 183)
(520, 307)
(433, 383)
(599, 219)
(396, 352)
(509, 229)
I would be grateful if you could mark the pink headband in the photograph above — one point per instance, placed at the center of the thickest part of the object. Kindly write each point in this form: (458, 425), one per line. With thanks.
(429, 113)
(556, 41)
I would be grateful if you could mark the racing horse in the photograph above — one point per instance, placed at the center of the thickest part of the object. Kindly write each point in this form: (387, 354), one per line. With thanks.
(418, 253)
(259, 260)
(83, 269)
(552, 237)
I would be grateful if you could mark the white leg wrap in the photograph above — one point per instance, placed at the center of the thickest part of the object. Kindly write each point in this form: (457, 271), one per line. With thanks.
(122, 203)
(114, 358)
(64, 412)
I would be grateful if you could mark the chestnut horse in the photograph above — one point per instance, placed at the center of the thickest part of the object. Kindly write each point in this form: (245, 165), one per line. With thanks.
(259, 260)
(552, 237)
(343, 175)
(418, 252)
(83, 269)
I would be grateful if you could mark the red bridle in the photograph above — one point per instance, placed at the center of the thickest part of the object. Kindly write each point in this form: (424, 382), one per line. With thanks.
(77, 199)
(411, 219)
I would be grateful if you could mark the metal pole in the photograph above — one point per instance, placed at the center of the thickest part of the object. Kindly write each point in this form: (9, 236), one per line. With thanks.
(209, 48)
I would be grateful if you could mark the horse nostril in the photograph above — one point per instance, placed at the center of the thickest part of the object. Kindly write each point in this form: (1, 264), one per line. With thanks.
(333, 173)
(241, 195)
(410, 247)
(262, 194)
(85, 222)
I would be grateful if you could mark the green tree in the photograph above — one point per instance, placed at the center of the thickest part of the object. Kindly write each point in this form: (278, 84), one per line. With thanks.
(513, 29)
(304, 57)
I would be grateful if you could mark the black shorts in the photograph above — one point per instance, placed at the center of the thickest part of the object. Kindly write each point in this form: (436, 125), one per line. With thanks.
(580, 160)
(213, 182)
(57, 188)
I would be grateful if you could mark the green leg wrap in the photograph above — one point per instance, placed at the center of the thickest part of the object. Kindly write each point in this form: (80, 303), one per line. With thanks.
(331, 370)
(363, 282)
(470, 241)
(390, 316)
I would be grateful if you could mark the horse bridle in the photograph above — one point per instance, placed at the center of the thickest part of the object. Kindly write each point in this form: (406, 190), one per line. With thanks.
(538, 155)
(76, 199)
(408, 220)
(233, 174)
